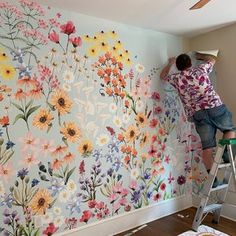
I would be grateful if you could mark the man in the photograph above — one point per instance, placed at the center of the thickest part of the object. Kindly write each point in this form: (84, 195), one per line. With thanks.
(201, 103)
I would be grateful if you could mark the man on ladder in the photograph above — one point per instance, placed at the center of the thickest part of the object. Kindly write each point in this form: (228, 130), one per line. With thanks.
(204, 107)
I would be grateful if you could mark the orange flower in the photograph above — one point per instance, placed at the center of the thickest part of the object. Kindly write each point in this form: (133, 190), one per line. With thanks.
(20, 94)
(1, 97)
(4, 121)
(102, 59)
(128, 149)
(123, 148)
(107, 79)
(134, 152)
(127, 160)
(35, 93)
(70, 131)
(162, 132)
(108, 55)
(26, 81)
(56, 164)
(120, 137)
(141, 119)
(126, 103)
(109, 91)
(59, 150)
(100, 73)
(69, 157)
(108, 71)
(114, 82)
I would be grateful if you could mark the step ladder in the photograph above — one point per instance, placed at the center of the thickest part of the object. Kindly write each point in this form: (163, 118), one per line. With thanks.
(230, 172)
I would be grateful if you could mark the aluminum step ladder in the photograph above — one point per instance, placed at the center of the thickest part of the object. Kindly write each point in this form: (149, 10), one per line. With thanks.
(229, 172)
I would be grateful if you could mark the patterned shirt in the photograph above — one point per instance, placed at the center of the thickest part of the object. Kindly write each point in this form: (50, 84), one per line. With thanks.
(195, 88)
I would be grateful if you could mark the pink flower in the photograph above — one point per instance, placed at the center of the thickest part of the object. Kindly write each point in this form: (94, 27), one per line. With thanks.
(152, 151)
(124, 192)
(46, 147)
(92, 204)
(123, 201)
(113, 197)
(86, 216)
(29, 142)
(116, 207)
(117, 188)
(153, 123)
(163, 187)
(133, 184)
(158, 110)
(68, 28)
(53, 36)
(100, 205)
(6, 171)
(76, 41)
(29, 160)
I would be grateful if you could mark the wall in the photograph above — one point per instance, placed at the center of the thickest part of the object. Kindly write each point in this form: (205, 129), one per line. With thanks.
(88, 131)
(222, 39)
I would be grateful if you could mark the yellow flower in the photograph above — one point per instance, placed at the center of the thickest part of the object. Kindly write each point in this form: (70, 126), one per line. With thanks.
(120, 57)
(112, 34)
(61, 101)
(104, 46)
(93, 51)
(114, 51)
(141, 119)
(119, 45)
(144, 140)
(102, 35)
(87, 38)
(126, 53)
(70, 131)
(40, 202)
(7, 71)
(3, 56)
(131, 133)
(85, 148)
(128, 62)
(43, 119)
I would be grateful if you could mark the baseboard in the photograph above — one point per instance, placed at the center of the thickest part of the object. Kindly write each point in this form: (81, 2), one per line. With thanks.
(228, 211)
(126, 221)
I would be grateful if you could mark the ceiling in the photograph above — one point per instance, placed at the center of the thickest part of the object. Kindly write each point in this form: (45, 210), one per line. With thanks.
(170, 16)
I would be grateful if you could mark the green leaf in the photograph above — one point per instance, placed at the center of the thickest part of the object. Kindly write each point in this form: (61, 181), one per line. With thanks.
(36, 233)
(29, 104)
(19, 116)
(58, 175)
(66, 169)
(68, 175)
(18, 107)
(31, 110)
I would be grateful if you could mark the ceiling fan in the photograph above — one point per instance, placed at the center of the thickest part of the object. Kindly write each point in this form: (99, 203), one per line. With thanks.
(199, 4)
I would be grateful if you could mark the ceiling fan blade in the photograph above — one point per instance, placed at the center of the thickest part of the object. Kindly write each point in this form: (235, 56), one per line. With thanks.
(199, 4)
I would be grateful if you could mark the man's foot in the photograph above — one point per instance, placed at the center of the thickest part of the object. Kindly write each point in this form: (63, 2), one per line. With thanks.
(225, 156)
(216, 183)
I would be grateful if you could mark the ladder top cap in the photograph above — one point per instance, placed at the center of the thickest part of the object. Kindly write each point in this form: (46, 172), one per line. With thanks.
(227, 141)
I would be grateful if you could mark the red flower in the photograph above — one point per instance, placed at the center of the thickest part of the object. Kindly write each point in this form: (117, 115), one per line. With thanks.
(50, 230)
(153, 123)
(68, 28)
(53, 36)
(92, 204)
(4, 121)
(163, 187)
(76, 41)
(86, 216)
(157, 197)
(81, 167)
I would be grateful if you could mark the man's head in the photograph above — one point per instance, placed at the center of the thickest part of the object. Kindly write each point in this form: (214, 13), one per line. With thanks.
(183, 62)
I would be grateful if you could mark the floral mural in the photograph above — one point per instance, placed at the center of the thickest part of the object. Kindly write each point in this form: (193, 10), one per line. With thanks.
(84, 133)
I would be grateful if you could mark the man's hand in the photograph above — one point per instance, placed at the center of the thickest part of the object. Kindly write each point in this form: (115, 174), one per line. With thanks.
(165, 71)
(205, 57)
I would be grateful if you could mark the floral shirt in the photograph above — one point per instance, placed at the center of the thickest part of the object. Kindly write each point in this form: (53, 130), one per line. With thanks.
(195, 88)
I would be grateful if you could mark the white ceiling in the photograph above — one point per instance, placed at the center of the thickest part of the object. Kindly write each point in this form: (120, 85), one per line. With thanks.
(170, 16)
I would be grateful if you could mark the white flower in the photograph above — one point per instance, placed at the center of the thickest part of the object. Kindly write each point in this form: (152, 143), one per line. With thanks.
(64, 195)
(57, 210)
(2, 189)
(126, 118)
(112, 107)
(117, 121)
(139, 106)
(68, 76)
(71, 186)
(66, 87)
(102, 140)
(59, 221)
(140, 68)
(134, 174)
(47, 218)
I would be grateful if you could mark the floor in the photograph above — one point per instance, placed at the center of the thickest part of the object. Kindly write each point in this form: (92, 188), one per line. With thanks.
(180, 222)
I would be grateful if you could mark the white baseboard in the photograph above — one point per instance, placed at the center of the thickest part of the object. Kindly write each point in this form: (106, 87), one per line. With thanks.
(228, 211)
(129, 220)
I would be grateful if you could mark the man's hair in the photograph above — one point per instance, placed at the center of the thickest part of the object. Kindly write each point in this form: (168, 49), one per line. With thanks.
(183, 62)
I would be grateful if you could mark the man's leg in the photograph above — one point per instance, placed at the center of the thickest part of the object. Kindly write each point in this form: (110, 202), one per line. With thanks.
(207, 158)
(229, 134)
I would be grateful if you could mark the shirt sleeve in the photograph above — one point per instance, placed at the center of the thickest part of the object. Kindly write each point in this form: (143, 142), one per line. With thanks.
(206, 67)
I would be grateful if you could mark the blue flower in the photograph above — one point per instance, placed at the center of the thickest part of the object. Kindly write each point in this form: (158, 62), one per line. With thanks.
(1, 133)
(9, 145)
(97, 154)
(56, 186)
(18, 55)
(147, 175)
(24, 71)
(110, 172)
(34, 182)
(7, 200)
(74, 204)
(135, 196)
(22, 173)
(149, 195)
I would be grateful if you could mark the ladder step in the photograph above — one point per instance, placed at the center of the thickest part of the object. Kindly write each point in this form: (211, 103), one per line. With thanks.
(227, 141)
(223, 186)
(211, 208)
(224, 165)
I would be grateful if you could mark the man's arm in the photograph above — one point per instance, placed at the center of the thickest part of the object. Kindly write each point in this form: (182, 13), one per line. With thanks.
(165, 71)
(206, 58)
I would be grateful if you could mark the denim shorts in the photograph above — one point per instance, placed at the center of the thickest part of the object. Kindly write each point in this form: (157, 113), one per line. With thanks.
(207, 122)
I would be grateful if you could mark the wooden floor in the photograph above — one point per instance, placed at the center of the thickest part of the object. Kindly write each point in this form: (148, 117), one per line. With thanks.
(174, 224)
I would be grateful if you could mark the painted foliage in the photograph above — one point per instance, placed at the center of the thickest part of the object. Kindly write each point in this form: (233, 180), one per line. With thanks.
(84, 133)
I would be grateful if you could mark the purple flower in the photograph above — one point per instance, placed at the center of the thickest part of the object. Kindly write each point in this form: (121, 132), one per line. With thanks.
(135, 196)
(181, 180)
(7, 221)
(6, 212)
(22, 173)
(14, 214)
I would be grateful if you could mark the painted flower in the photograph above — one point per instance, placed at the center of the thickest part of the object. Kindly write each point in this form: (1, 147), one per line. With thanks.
(43, 119)
(7, 72)
(29, 142)
(59, 150)
(29, 160)
(93, 51)
(61, 101)
(69, 157)
(56, 164)
(134, 173)
(76, 41)
(59, 221)
(40, 202)
(131, 134)
(68, 76)
(27, 81)
(53, 36)
(86, 216)
(181, 180)
(70, 131)
(85, 148)
(71, 186)
(20, 95)
(117, 121)
(57, 210)
(113, 108)
(6, 171)
(68, 28)
(144, 140)
(47, 218)
(64, 196)
(4, 121)
(2, 188)
(102, 140)
(3, 56)
(140, 68)
(141, 119)
(46, 147)
(66, 87)
(126, 118)
(50, 230)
